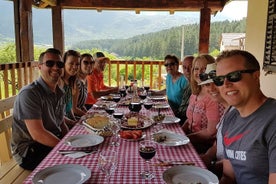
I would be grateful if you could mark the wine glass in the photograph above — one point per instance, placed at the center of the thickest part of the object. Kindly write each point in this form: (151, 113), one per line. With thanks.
(147, 150)
(148, 104)
(108, 163)
(118, 115)
(126, 86)
(146, 87)
(143, 95)
(123, 91)
(135, 106)
(116, 98)
(115, 127)
(109, 109)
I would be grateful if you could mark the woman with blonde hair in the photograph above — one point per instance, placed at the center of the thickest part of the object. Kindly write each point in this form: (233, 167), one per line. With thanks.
(203, 113)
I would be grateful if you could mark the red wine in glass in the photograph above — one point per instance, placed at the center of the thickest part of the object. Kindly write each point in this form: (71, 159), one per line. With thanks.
(123, 92)
(116, 98)
(110, 110)
(143, 96)
(135, 106)
(148, 105)
(146, 88)
(147, 152)
(118, 115)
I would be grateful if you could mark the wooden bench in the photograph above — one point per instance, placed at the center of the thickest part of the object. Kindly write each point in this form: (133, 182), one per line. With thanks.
(10, 172)
(6, 106)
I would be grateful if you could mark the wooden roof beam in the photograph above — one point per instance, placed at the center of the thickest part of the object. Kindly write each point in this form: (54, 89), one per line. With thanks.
(152, 5)
(42, 5)
(50, 2)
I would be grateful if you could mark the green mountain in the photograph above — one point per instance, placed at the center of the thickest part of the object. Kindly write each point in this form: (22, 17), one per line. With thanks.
(156, 45)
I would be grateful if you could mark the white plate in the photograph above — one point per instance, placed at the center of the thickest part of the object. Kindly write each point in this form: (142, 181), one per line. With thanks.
(170, 119)
(133, 140)
(171, 138)
(146, 120)
(183, 174)
(86, 140)
(62, 174)
(107, 97)
(161, 106)
(102, 124)
(104, 104)
(146, 125)
(157, 97)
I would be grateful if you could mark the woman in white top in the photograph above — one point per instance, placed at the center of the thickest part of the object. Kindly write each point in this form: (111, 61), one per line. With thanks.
(214, 155)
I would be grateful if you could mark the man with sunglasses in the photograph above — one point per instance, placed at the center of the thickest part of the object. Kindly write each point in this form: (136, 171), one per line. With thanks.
(38, 116)
(249, 131)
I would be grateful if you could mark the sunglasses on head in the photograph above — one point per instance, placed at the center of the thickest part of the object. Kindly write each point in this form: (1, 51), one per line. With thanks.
(205, 76)
(231, 77)
(169, 64)
(51, 63)
(89, 62)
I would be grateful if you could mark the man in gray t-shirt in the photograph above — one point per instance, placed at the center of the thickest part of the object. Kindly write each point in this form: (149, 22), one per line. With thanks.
(249, 131)
(38, 116)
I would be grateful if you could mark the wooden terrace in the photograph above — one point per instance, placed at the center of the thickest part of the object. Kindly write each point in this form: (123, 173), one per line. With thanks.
(16, 75)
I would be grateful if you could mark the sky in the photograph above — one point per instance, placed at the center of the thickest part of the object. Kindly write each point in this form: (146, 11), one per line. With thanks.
(235, 9)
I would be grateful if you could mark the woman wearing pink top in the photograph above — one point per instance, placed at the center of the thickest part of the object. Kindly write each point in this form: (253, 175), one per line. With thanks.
(203, 113)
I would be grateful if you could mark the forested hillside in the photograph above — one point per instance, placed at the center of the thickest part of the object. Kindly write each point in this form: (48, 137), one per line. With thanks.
(156, 45)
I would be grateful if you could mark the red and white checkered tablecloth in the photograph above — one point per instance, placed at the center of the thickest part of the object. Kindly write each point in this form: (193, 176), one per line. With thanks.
(130, 164)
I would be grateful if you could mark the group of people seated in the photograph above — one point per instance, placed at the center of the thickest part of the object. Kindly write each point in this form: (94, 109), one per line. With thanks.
(46, 109)
(228, 119)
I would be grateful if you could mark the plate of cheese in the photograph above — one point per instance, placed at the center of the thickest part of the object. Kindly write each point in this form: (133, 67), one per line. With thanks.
(136, 121)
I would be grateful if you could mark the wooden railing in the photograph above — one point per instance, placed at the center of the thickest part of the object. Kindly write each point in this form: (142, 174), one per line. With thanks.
(14, 76)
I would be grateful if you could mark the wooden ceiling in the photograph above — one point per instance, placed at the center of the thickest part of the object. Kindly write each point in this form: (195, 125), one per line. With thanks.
(135, 5)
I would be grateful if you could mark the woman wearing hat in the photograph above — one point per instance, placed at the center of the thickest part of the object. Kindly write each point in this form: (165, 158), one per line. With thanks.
(95, 82)
(203, 113)
(214, 155)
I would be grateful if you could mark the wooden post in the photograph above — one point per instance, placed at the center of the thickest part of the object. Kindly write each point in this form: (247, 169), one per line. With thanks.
(23, 30)
(17, 30)
(204, 31)
(58, 33)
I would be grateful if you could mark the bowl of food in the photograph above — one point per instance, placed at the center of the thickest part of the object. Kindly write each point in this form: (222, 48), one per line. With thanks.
(96, 121)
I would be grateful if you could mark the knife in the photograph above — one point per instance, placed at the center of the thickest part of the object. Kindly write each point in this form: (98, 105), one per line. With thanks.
(174, 163)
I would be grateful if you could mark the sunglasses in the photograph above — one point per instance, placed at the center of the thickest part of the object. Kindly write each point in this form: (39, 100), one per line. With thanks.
(231, 77)
(205, 76)
(51, 63)
(169, 64)
(88, 62)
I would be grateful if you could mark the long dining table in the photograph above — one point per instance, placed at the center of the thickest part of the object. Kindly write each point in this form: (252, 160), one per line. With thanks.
(130, 164)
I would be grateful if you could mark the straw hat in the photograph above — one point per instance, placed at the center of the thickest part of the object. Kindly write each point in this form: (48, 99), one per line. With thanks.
(210, 67)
